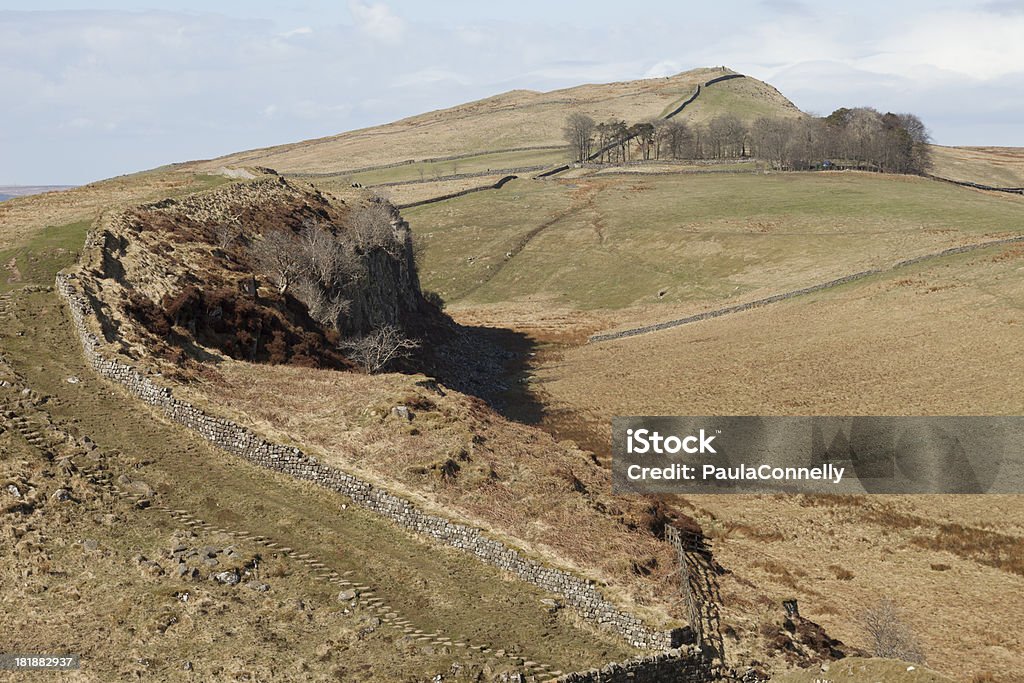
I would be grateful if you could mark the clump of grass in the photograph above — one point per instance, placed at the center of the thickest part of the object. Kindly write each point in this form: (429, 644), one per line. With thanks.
(991, 548)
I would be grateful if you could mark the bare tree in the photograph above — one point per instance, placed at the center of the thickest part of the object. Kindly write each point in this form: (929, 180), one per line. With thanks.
(676, 139)
(770, 139)
(727, 136)
(579, 133)
(374, 351)
(372, 226)
(891, 636)
(278, 256)
(225, 234)
(330, 259)
(325, 307)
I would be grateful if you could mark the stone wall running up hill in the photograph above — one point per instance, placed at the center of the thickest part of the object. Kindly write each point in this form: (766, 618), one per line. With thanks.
(578, 593)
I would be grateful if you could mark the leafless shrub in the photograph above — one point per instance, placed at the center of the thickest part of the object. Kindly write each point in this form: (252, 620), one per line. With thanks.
(324, 307)
(371, 227)
(330, 259)
(225, 234)
(579, 133)
(891, 636)
(374, 351)
(278, 256)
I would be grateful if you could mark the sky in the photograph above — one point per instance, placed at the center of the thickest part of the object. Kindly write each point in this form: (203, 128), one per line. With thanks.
(93, 89)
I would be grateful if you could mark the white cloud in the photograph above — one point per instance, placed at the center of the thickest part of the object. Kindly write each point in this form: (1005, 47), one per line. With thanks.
(197, 85)
(977, 45)
(377, 21)
(301, 31)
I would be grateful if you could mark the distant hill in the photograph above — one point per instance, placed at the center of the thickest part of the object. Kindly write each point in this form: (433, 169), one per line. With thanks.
(12, 191)
(518, 119)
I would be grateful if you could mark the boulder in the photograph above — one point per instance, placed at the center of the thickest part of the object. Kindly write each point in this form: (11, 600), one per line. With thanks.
(228, 578)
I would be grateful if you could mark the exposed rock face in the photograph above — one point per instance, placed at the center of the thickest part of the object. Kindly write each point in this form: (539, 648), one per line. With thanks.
(390, 294)
(178, 273)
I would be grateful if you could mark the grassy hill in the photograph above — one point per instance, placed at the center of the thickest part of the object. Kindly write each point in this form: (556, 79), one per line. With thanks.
(994, 166)
(546, 262)
(687, 240)
(520, 118)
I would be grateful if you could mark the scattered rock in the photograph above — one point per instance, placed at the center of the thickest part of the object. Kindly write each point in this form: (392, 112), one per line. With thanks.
(13, 490)
(551, 604)
(258, 587)
(73, 380)
(61, 495)
(150, 567)
(402, 412)
(368, 625)
(346, 596)
(228, 578)
(91, 544)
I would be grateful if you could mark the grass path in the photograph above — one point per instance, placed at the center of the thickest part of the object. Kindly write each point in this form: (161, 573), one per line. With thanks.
(436, 590)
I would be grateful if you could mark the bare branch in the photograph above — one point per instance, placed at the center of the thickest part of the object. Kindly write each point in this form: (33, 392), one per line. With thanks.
(374, 351)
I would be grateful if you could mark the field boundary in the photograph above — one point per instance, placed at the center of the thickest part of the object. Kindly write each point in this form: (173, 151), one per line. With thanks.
(458, 176)
(977, 186)
(462, 193)
(580, 594)
(429, 160)
(775, 298)
(692, 98)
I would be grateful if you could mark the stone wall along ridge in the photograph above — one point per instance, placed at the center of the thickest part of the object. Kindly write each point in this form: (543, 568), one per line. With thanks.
(578, 593)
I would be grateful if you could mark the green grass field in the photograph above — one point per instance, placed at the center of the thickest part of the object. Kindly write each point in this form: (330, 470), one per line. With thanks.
(41, 251)
(45, 253)
(474, 164)
(610, 243)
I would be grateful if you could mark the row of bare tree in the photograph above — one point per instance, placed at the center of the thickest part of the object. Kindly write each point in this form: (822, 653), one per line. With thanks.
(852, 138)
(319, 264)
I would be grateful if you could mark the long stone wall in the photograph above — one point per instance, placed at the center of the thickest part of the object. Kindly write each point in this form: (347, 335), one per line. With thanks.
(977, 186)
(685, 103)
(719, 79)
(461, 176)
(496, 186)
(578, 593)
(719, 312)
(627, 139)
(428, 160)
(674, 666)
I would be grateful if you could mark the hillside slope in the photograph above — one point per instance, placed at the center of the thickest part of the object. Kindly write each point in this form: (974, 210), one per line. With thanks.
(519, 118)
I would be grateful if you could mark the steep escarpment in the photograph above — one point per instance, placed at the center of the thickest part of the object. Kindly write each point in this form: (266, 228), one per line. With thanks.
(260, 271)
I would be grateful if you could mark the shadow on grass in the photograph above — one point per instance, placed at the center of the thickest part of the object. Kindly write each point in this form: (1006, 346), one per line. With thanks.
(492, 364)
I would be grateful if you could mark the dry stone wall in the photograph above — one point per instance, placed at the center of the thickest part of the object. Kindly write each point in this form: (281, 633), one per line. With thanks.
(428, 160)
(775, 298)
(433, 200)
(578, 593)
(673, 666)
